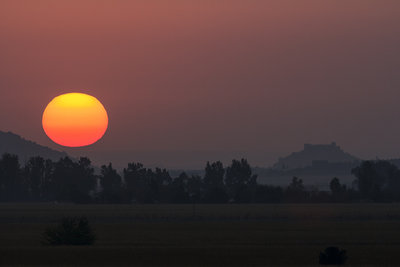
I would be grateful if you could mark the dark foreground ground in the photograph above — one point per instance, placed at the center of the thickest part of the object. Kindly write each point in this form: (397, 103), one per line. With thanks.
(282, 234)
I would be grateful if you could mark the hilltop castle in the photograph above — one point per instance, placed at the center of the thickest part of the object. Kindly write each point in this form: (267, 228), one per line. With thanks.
(313, 155)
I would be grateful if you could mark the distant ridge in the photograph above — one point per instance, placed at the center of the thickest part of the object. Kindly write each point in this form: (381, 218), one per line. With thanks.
(24, 149)
(314, 155)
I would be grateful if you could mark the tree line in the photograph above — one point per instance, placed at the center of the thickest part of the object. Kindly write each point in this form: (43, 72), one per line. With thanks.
(68, 180)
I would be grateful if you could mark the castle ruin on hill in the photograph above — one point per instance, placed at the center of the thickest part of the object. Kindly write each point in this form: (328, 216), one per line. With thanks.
(314, 155)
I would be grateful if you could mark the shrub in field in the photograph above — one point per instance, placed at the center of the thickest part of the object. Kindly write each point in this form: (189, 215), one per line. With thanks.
(71, 231)
(333, 256)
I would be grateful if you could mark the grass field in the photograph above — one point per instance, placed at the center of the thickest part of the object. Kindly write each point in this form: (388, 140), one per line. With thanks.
(281, 234)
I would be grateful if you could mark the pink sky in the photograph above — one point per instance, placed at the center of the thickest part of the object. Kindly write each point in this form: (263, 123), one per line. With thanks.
(259, 77)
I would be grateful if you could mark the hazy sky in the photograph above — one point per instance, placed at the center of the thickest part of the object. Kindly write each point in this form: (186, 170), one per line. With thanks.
(259, 77)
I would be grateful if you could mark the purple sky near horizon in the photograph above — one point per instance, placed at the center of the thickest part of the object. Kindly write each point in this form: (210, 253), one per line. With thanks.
(218, 78)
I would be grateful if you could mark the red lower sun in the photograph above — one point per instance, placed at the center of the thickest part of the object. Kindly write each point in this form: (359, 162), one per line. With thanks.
(75, 120)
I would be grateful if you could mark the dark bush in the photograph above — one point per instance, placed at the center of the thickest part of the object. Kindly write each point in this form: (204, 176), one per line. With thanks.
(71, 231)
(333, 256)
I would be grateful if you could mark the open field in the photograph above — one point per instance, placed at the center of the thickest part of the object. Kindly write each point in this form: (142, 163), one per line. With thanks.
(276, 234)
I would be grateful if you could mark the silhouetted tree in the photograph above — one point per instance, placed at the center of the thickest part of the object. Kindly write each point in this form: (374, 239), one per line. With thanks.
(11, 186)
(159, 185)
(194, 187)
(213, 183)
(378, 180)
(47, 183)
(179, 189)
(296, 192)
(111, 184)
(73, 181)
(70, 180)
(142, 184)
(240, 182)
(339, 191)
(37, 177)
(391, 188)
(336, 187)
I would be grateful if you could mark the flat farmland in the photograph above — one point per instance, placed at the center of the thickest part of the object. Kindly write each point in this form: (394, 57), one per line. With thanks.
(241, 235)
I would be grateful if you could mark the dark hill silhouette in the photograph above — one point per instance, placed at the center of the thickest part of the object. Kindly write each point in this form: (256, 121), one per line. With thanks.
(24, 149)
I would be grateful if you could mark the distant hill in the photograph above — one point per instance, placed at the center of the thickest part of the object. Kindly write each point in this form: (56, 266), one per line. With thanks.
(15, 144)
(315, 155)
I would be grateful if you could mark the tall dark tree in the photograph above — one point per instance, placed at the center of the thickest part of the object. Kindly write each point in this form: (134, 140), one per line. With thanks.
(377, 180)
(111, 184)
(213, 183)
(368, 182)
(11, 186)
(194, 187)
(47, 186)
(179, 189)
(138, 183)
(240, 182)
(160, 181)
(73, 181)
(391, 187)
(339, 191)
(87, 180)
(35, 177)
(336, 187)
(296, 192)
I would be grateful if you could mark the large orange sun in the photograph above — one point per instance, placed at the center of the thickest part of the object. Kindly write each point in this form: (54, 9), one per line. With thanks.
(75, 120)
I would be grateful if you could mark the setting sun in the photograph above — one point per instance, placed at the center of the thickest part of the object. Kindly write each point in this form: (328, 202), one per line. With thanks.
(75, 120)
